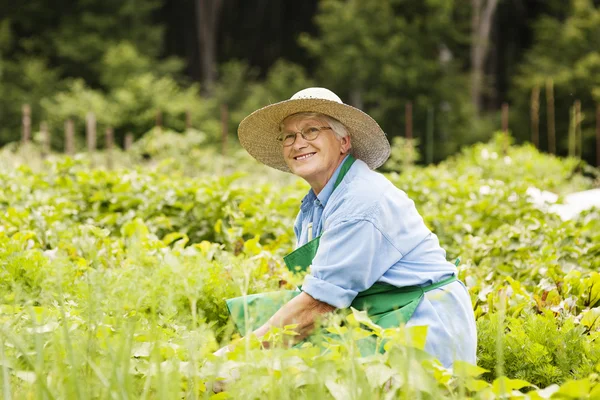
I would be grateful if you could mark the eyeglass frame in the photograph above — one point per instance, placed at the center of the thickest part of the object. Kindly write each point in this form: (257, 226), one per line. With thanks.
(281, 137)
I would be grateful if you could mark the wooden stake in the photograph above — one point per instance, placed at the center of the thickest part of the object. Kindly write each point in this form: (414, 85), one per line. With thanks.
(159, 119)
(224, 128)
(408, 120)
(45, 139)
(578, 138)
(90, 132)
(430, 128)
(69, 137)
(535, 117)
(505, 127)
(110, 139)
(128, 141)
(550, 116)
(571, 134)
(188, 120)
(598, 135)
(505, 118)
(26, 134)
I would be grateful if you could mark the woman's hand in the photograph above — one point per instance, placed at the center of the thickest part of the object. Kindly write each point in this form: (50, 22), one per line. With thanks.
(302, 310)
(222, 351)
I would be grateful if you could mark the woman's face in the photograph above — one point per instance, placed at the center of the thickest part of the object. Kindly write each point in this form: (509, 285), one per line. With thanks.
(315, 161)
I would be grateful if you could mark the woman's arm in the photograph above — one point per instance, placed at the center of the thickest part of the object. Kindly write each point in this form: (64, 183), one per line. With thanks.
(302, 310)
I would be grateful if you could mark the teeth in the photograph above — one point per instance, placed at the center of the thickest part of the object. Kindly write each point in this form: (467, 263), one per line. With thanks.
(304, 156)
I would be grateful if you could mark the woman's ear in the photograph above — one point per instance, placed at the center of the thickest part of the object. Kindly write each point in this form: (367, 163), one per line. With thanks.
(346, 144)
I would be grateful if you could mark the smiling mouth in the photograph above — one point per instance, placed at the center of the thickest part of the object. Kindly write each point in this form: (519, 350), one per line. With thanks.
(304, 156)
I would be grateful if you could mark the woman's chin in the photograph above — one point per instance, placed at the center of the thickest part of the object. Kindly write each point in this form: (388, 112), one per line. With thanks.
(303, 170)
(298, 166)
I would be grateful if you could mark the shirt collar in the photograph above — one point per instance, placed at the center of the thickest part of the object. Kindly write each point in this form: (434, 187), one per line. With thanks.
(328, 189)
(323, 197)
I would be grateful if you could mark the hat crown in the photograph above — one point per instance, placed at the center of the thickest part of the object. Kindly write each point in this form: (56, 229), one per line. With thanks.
(317, 93)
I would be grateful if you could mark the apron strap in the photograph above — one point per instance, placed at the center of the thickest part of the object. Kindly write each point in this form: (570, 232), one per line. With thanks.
(345, 168)
(301, 258)
(440, 284)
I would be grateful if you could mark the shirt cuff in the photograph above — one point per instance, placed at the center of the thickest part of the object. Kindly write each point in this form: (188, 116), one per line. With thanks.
(328, 293)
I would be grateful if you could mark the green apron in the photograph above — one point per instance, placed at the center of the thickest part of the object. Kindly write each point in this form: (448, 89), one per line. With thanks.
(388, 306)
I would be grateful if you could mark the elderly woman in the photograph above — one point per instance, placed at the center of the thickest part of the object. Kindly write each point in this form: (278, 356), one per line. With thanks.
(362, 238)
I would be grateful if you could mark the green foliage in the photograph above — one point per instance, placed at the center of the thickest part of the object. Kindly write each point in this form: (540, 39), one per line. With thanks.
(217, 209)
(87, 29)
(108, 57)
(566, 51)
(123, 61)
(136, 89)
(404, 154)
(23, 80)
(239, 88)
(45, 48)
(118, 279)
(537, 348)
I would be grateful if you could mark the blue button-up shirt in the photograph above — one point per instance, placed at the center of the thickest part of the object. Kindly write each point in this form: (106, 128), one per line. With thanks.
(372, 232)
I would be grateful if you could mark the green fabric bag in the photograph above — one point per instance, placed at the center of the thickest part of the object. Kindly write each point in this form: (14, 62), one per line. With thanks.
(253, 311)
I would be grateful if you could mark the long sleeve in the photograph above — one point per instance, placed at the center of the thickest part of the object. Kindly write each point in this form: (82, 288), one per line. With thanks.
(352, 256)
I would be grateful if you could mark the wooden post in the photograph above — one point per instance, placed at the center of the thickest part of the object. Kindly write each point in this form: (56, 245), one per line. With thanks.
(69, 137)
(45, 139)
(578, 138)
(408, 132)
(224, 128)
(110, 139)
(26, 134)
(505, 126)
(128, 141)
(90, 132)
(159, 119)
(408, 120)
(505, 118)
(535, 117)
(598, 135)
(550, 116)
(430, 128)
(571, 134)
(188, 120)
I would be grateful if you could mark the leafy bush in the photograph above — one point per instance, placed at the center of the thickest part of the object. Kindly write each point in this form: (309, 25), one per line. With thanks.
(135, 89)
(118, 279)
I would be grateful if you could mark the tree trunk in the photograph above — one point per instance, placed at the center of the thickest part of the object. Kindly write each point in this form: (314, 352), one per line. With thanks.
(207, 18)
(356, 98)
(481, 24)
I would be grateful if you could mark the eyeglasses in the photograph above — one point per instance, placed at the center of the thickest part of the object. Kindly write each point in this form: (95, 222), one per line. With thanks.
(309, 133)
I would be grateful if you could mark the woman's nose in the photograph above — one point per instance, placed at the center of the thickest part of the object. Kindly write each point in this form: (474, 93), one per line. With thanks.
(300, 142)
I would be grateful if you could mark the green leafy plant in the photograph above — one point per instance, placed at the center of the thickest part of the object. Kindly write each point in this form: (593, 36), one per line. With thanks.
(118, 279)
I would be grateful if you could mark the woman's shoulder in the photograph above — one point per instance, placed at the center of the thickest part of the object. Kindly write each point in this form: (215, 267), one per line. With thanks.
(369, 195)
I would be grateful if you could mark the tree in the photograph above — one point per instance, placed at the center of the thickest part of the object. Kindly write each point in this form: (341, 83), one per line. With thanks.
(481, 24)
(207, 22)
(133, 91)
(566, 49)
(379, 55)
(44, 45)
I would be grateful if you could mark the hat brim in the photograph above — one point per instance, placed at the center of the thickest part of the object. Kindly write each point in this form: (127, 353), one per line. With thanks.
(258, 131)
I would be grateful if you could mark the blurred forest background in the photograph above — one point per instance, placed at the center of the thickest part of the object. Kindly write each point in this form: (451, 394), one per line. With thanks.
(456, 62)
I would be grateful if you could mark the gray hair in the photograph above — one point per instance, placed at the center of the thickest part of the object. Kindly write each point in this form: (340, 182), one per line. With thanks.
(337, 127)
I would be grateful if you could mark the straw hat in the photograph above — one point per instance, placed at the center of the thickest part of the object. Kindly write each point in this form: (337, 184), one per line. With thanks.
(258, 131)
